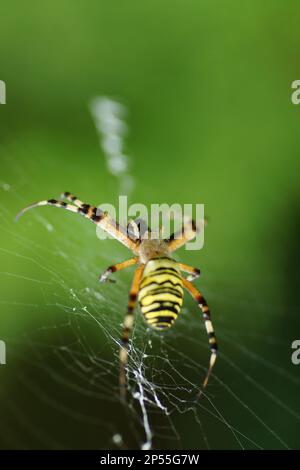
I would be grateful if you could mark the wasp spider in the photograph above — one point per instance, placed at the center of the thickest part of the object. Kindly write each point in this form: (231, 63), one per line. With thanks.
(157, 282)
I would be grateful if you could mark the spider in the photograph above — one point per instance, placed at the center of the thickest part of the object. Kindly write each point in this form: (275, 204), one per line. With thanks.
(157, 282)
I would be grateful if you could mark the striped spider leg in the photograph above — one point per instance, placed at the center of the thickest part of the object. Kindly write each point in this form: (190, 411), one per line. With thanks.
(127, 328)
(187, 232)
(194, 273)
(135, 231)
(96, 215)
(157, 283)
(104, 277)
(103, 220)
(209, 328)
(182, 236)
(176, 241)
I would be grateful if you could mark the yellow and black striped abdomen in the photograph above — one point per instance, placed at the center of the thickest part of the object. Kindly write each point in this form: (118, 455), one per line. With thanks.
(161, 292)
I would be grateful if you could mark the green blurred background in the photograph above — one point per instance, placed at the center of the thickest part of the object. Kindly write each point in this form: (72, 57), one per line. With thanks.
(208, 88)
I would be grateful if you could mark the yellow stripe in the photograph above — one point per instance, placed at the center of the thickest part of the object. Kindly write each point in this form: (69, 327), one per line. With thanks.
(164, 306)
(144, 290)
(151, 320)
(164, 271)
(150, 307)
(161, 278)
(162, 324)
(167, 281)
(164, 296)
(154, 264)
(162, 275)
(161, 313)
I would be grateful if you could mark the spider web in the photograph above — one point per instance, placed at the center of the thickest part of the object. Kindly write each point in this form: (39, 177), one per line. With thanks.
(60, 385)
(69, 364)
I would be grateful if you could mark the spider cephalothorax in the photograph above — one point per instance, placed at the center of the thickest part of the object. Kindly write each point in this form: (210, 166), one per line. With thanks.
(157, 283)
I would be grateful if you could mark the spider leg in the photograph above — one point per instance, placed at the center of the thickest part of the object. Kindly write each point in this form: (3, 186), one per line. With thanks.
(49, 202)
(194, 273)
(96, 215)
(182, 236)
(187, 232)
(127, 328)
(71, 198)
(208, 325)
(104, 277)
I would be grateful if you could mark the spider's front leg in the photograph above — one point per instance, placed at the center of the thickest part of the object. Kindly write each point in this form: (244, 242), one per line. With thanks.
(96, 215)
(187, 233)
(127, 328)
(71, 198)
(104, 277)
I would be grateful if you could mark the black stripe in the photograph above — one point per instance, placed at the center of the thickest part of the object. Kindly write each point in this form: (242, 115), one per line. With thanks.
(111, 269)
(165, 319)
(160, 308)
(96, 218)
(163, 257)
(160, 283)
(132, 296)
(201, 301)
(84, 208)
(173, 302)
(162, 290)
(165, 267)
(170, 271)
(162, 302)
(153, 274)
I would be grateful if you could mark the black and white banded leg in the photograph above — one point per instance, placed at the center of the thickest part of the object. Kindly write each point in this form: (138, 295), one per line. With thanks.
(127, 328)
(194, 273)
(105, 277)
(96, 215)
(208, 325)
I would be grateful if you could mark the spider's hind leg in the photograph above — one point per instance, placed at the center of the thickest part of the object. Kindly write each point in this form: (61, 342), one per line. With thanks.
(127, 328)
(208, 325)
